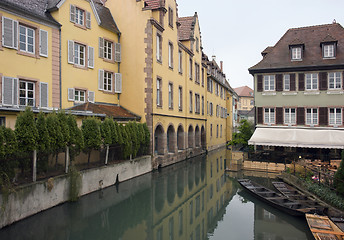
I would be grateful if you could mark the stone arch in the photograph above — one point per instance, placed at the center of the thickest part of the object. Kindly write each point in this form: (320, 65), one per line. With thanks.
(171, 189)
(191, 137)
(180, 138)
(180, 183)
(171, 139)
(197, 136)
(203, 138)
(159, 146)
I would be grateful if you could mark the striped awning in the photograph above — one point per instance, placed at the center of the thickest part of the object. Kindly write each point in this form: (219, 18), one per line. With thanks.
(294, 137)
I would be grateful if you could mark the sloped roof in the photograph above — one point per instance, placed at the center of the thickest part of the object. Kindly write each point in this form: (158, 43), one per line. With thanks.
(106, 18)
(185, 30)
(244, 91)
(34, 8)
(114, 111)
(154, 4)
(311, 37)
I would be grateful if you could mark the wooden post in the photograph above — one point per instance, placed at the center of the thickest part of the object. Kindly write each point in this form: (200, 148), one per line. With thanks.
(34, 169)
(107, 155)
(67, 160)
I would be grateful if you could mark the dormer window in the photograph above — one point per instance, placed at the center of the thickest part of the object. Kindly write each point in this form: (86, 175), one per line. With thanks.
(296, 53)
(329, 50)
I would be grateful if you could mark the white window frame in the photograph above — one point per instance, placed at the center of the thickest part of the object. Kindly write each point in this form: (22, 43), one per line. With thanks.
(180, 98)
(170, 55)
(108, 49)
(269, 115)
(312, 117)
(26, 92)
(158, 45)
(158, 92)
(312, 81)
(335, 79)
(78, 95)
(328, 50)
(190, 101)
(335, 117)
(290, 116)
(170, 95)
(78, 54)
(269, 83)
(26, 37)
(286, 82)
(107, 81)
(296, 53)
(79, 16)
(180, 61)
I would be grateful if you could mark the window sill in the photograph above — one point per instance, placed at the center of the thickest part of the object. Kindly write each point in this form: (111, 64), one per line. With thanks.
(109, 60)
(181, 73)
(170, 108)
(289, 93)
(180, 110)
(296, 60)
(269, 93)
(311, 92)
(80, 67)
(107, 92)
(159, 106)
(335, 92)
(80, 26)
(32, 55)
(329, 58)
(159, 61)
(171, 68)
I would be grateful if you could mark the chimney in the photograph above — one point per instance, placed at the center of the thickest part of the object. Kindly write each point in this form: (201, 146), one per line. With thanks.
(213, 57)
(221, 66)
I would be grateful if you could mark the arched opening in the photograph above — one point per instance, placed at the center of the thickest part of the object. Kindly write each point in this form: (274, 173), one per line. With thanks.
(197, 137)
(191, 137)
(180, 138)
(159, 197)
(180, 183)
(171, 139)
(171, 186)
(159, 140)
(203, 138)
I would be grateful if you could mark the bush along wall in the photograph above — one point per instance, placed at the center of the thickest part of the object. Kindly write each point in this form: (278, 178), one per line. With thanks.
(45, 135)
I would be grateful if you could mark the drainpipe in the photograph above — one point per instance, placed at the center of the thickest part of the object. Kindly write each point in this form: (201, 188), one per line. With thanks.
(60, 70)
(118, 69)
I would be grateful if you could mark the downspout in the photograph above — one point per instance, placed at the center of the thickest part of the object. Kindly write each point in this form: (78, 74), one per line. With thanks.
(60, 70)
(118, 69)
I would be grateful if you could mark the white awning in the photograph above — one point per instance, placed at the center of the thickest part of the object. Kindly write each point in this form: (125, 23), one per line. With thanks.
(304, 138)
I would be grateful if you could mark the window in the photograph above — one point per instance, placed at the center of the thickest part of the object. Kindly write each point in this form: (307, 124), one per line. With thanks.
(211, 109)
(197, 73)
(202, 77)
(221, 137)
(334, 80)
(170, 55)
(328, 51)
(79, 54)
(197, 44)
(158, 47)
(197, 103)
(252, 102)
(211, 130)
(79, 16)
(26, 93)
(269, 83)
(79, 95)
(289, 116)
(296, 53)
(311, 81)
(180, 98)
(217, 136)
(311, 116)
(170, 17)
(202, 105)
(108, 49)
(3, 121)
(180, 217)
(171, 228)
(107, 81)
(190, 102)
(335, 116)
(170, 95)
(269, 115)
(158, 93)
(190, 68)
(286, 81)
(26, 39)
(180, 61)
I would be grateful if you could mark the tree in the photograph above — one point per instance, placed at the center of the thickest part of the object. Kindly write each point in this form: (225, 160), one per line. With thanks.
(43, 143)
(126, 143)
(339, 177)
(244, 134)
(92, 136)
(105, 129)
(10, 149)
(27, 135)
(76, 139)
(147, 138)
(55, 134)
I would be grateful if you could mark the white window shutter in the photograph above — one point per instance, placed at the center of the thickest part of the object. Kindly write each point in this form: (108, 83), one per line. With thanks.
(91, 96)
(9, 33)
(88, 20)
(90, 57)
(72, 13)
(43, 98)
(71, 92)
(7, 91)
(118, 83)
(43, 43)
(101, 47)
(101, 79)
(15, 34)
(70, 51)
(15, 91)
(117, 52)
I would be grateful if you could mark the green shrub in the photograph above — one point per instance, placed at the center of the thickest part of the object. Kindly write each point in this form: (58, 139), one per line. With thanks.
(339, 177)
(92, 136)
(76, 139)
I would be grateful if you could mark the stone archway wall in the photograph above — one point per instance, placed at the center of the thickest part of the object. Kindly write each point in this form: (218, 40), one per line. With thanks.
(203, 138)
(171, 139)
(180, 138)
(191, 137)
(197, 136)
(159, 140)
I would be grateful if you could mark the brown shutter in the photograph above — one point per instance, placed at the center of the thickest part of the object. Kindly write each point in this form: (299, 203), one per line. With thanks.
(292, 82)
(279, 82)
(301, 82)
(279, 115)
(323, 81)
(260, 115)
(260, 83)
(300, 116)
(323, 116)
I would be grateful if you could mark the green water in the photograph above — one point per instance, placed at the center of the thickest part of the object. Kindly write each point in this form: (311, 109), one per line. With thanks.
(192, 200)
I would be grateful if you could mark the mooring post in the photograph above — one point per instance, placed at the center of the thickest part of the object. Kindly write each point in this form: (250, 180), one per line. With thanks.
(107, 155)
(34, 170)
(67, 160)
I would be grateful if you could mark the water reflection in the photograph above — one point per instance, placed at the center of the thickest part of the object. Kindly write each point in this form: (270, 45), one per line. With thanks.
(192, 200)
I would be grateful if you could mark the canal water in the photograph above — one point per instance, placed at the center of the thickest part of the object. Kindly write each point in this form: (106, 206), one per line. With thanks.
(192, 200)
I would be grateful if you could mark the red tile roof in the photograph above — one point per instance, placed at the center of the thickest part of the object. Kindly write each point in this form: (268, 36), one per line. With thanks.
(117, 112)
(154, 4)
(244, 91)
(311, 37)
(185, 30)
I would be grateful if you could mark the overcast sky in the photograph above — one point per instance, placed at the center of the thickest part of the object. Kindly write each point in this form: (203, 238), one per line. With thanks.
(238, 31)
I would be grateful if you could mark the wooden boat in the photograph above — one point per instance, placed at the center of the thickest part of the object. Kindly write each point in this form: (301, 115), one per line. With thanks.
(295, 195)
(276, 200)
(323, 228)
